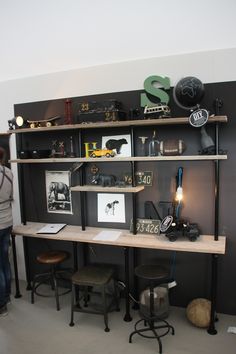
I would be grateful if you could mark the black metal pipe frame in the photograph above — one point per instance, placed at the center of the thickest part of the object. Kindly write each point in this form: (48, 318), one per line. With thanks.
(133, 180)
(27, 263)
(135, 251)
(82, 205)
(75, 255)
(217, 168)
(19, 143)
(214, 264)
(214, 258)
(81, 181)
(127, 317)
(17, 294)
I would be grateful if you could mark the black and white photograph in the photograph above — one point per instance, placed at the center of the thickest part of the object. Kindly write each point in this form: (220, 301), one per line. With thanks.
(111, 207)
(58, 192)
(120, 144)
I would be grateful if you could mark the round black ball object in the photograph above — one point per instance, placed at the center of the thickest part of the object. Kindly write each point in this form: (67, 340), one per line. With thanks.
(188, 92)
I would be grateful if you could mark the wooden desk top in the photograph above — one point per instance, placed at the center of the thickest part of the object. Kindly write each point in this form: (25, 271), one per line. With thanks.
(204, 244)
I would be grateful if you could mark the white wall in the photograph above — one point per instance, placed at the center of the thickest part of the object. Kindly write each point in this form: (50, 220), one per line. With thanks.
(39, 37)
(211, 66)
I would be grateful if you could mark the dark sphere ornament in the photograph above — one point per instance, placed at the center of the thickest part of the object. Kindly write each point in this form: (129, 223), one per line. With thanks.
(188, 92)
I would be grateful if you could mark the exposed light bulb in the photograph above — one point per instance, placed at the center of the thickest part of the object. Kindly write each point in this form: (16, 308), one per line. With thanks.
(179, 194)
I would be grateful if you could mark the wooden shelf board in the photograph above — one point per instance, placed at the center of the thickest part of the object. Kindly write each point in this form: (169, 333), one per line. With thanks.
(127, 123)
(49, 160)
(204, 244)
(89, 188)
(123, 159)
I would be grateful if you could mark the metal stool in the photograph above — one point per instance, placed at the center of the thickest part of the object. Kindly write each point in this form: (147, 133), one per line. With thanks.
(157, 275)
(53, 259)
(86, 279)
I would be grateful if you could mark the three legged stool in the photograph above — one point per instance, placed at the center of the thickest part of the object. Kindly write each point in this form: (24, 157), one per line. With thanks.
(156, 275)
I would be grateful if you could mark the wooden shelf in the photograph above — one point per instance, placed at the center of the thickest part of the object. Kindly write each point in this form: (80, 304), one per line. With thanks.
(89, 188)
(123, 159)
(204, 244)
(118, 124)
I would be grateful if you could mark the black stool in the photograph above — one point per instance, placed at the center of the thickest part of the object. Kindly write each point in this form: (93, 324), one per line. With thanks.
(85, 279)
(156, 275)
(53, 259)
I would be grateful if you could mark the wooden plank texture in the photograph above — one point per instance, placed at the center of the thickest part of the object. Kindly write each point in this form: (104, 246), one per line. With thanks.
(124, 159)
(204, 244)
(127, 123)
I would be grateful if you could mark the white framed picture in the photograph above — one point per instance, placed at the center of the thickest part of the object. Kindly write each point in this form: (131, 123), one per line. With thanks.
(111, 207)
(58, 193)
(121, 144)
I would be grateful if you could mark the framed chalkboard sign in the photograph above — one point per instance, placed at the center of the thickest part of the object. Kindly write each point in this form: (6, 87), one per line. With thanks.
(146, 226)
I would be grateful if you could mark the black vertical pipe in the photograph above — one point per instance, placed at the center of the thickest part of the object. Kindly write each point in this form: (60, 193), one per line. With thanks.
(133, 180)
(135, 279)
(127, 317)
(19, 141)
(216, 231)
(214, 264)
(17, 294)
(75, 256)
(214, 257)
(81, 181)
(217, 165)
(134, 203)
(27, 263)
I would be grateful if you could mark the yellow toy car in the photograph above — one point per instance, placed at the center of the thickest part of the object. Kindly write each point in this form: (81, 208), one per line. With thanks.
(102, 152)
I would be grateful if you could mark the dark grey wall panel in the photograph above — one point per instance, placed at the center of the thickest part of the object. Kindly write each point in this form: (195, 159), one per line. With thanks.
(192, 271)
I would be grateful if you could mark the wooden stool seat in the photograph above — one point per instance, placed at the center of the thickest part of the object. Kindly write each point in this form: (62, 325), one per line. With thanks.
(85, 279)
(92, 276)
(52, 257)
(152, 272)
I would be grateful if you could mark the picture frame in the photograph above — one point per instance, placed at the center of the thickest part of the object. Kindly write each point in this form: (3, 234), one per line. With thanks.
(121, 144)
(111, 207)
(58, 194)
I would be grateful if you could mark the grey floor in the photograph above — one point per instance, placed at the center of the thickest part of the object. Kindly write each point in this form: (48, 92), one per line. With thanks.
(39, 328)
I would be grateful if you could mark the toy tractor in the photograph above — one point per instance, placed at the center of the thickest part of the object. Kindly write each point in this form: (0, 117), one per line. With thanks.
(180, 228)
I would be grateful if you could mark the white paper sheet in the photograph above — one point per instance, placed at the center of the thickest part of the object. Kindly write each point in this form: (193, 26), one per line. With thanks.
(51, 229)
(107, 235)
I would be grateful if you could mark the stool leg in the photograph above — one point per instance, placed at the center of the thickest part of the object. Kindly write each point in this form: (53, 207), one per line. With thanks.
(52, 279)
(151, 303)
(76, 294)
(158, 339)
(116, 295)
(55, 287)
(86, 296)
(72, 306)
(33, 290)
(105, 309)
